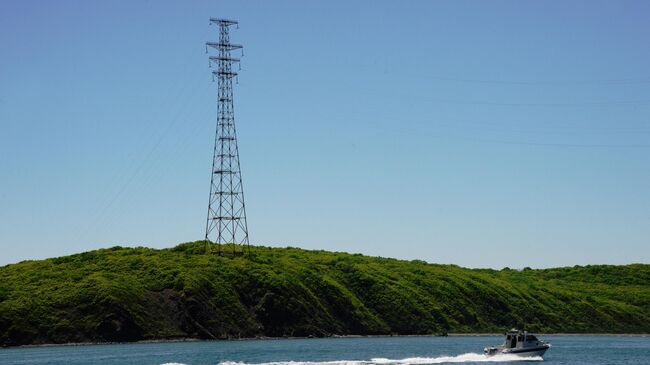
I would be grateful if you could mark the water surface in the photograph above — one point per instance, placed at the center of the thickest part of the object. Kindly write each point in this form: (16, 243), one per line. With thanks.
(592, 350)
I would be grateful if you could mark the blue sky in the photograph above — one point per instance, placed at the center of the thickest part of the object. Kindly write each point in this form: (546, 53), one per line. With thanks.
(479, 133)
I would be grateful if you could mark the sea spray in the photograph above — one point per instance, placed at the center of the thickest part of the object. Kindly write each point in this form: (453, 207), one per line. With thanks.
(468, 357)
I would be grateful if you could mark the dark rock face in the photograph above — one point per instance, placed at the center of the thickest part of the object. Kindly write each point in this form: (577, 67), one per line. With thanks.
(18, 335)
(119, 328)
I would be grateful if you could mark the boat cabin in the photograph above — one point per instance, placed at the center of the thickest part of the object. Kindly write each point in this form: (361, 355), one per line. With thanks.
(518, 339)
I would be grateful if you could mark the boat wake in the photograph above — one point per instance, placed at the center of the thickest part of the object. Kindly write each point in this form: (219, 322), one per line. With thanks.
(469, 357)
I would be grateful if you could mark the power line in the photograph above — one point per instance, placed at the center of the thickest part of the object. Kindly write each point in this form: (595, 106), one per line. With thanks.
(620, 81)
(605, 103)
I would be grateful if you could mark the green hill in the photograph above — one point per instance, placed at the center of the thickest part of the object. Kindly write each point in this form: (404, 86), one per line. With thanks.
(129, 294)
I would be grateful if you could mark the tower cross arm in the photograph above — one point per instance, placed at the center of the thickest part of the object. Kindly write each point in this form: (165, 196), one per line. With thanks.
(227, 46)
(227, 59)
(223, 21)
(224, 73)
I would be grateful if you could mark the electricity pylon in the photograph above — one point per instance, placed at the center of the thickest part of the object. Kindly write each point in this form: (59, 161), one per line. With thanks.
(226, 223)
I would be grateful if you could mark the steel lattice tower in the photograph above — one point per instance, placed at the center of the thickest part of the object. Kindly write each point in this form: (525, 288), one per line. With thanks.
(226, 223)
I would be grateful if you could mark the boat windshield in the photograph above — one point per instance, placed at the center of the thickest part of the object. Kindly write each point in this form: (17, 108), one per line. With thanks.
(531, 338)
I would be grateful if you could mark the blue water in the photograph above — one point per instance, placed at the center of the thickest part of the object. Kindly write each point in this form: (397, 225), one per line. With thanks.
(592, 350)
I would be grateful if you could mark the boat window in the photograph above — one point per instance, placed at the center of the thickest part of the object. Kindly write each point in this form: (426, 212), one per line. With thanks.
(531, 338)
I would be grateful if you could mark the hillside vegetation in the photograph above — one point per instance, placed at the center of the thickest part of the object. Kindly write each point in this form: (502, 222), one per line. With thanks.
(130, 294)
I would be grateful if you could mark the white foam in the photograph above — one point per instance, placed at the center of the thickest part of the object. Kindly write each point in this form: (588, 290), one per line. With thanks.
(469, 357)
(173, 363)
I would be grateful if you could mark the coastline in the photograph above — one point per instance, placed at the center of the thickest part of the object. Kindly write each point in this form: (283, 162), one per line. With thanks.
(262, 338)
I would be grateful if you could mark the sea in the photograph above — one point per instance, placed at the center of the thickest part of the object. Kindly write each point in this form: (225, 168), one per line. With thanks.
(397, 350)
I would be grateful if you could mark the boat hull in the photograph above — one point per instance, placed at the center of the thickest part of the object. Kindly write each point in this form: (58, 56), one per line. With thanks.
(524, 352)
(538, 351)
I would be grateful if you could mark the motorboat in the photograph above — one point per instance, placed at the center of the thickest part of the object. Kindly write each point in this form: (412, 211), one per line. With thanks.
(520, 343)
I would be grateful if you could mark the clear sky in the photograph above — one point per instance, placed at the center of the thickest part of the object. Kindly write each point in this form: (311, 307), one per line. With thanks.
(479, 133)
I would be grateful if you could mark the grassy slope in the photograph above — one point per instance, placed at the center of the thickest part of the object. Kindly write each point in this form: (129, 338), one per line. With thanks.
(128, 294)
